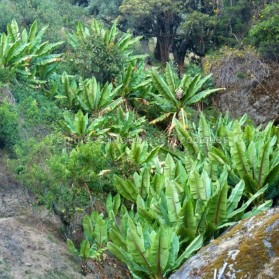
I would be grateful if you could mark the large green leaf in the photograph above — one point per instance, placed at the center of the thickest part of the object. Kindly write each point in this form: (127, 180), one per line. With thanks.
(159, 250)
(273, 182)
(80, 123)
(125, 188)
(170, 167)
(263, 163)
(88, 228)
(240, 211)
(84, 249)
(198, 97)
(235, 196)
(197, 186)
(258, 209)
(173, 202)
(162, 87)
(100, 232)
(185, 138)
(239, 158)
(135, 246)
(188, 222)
(13, 31)
(217, 207)
(171, 78)
(118, 252)
(72, 247)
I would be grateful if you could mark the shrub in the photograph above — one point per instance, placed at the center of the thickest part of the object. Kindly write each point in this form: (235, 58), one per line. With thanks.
(58, 14)
(101, 52)
(8, 125)
(39, 115)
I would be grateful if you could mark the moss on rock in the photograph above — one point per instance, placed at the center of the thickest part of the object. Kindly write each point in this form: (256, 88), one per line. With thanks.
(250, 249)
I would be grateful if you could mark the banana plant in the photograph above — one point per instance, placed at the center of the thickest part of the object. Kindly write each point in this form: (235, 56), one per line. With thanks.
(95, 229)
(79, 127)
(135, 81)
(148, 252)
(113, 203)
(138, 152)
(67, 89)
(172, 95)
(110, 37)
(126, 124)
(177, 208)
(192, 202)
(85, 252)
(255, 157)
(248, 153)
(96, 100)
(88, 95)
(26, 54)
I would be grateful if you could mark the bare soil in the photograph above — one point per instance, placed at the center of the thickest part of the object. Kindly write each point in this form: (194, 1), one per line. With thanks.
(31, 246)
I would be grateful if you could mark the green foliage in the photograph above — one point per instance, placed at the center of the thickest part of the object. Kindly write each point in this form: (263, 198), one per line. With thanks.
(138, 153)
(170, 199)
(233, 22)
(197, 30)
(79, 128)
(177, 208)
(88, 95)
(101, 52)
(62, 179)
(9, 125)
(158, 19)
(172, 96)
(148, 252)
(38, 114)
(58, 14)
(6, 76)
(135, 81)
(104, 8)
(25, 54)
(86, 167)
(264, 34)
(96, 234)
(7, 14)
(247, 152)
(126, 124)
(95, 230)
(98, 100)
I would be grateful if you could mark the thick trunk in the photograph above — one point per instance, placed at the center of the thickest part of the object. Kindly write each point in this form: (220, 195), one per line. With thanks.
(181, 47)
(164, 44)
(167, 24)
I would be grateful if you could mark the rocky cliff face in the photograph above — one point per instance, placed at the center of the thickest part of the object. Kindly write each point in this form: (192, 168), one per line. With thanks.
(252, 86)
(250, 249)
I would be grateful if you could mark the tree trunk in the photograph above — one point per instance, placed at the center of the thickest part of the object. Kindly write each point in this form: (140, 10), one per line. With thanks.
(179, 60)
(164, 43)
(180, 49)
(157, 54)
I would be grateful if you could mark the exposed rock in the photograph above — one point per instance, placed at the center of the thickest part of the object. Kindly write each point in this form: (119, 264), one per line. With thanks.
(252, 86)
(250, 249)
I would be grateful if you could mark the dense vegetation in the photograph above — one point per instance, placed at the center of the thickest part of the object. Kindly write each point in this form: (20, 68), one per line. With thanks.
(87, 121)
